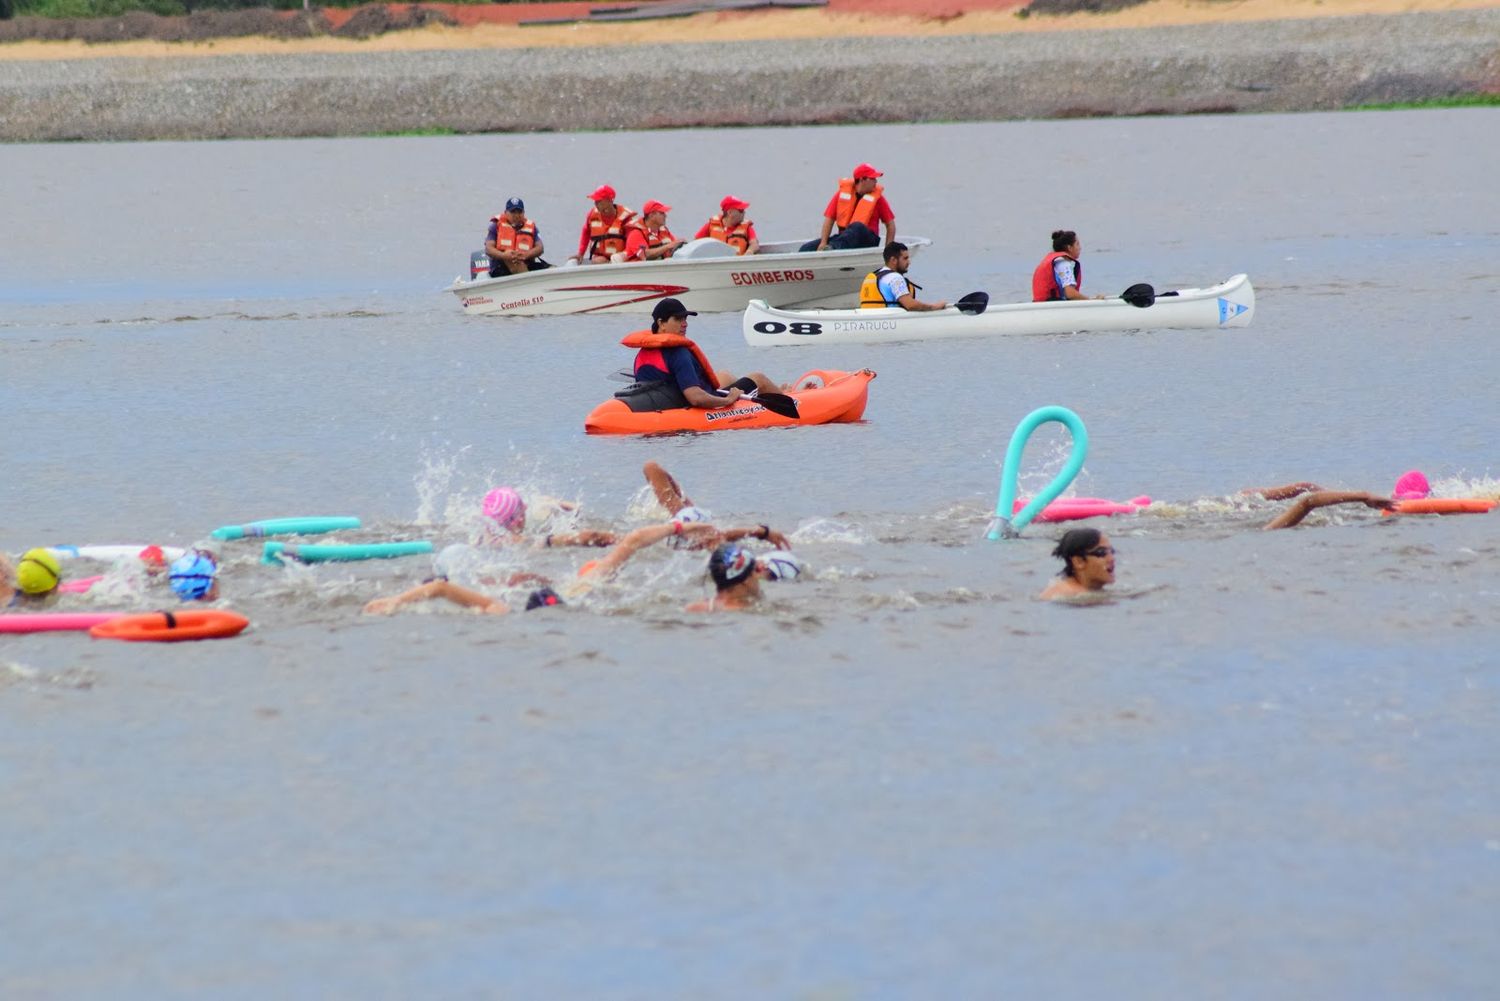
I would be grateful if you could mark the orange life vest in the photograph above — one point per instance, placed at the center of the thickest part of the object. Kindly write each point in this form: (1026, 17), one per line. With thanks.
(508, 237)
(659, 238)
(857, 208)
(608, 237)
(650, 345)
(1044, 282)
(738, 238)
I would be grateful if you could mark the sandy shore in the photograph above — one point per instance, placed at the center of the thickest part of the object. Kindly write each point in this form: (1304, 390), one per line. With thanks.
(788, 66)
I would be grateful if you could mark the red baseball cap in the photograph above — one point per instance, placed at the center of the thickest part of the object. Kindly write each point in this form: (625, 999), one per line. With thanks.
(652, 205)
(731, 202)
(602, 191)
(865, 170)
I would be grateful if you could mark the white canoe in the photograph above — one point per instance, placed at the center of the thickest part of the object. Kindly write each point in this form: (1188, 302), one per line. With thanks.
(705, 274)
(1231, 304)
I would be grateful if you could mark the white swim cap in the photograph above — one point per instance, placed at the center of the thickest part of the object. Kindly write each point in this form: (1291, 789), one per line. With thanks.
(687, 516)
(781, 565)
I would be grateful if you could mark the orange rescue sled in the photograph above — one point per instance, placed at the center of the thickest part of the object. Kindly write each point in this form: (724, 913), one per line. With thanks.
(172, 627)
(831, 398)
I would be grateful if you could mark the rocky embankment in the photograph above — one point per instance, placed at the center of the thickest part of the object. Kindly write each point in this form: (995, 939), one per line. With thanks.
(1291, 65)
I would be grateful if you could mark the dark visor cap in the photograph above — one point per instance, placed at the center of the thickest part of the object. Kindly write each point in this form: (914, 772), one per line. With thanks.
(668, 308)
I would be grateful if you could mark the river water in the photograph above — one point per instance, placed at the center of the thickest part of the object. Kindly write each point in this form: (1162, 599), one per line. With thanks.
(1266, 766)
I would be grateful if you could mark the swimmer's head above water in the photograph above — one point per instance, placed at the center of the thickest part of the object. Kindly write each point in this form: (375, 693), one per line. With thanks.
(506, 509)
(1088, 563)
(38, 573)
(194, 576)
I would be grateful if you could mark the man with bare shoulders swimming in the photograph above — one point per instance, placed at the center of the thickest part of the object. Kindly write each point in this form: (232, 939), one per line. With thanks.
(1088, 564)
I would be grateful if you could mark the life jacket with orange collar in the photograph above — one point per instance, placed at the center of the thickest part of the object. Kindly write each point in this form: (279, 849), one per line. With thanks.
(608, 236)
(657, 238)
(1044, 282)
(738, 237)
(508, 237)
(856, 208)
(650, 353)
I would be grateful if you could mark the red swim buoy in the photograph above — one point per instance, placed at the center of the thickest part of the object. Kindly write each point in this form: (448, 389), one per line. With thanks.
(172, 627)
(1443, 505)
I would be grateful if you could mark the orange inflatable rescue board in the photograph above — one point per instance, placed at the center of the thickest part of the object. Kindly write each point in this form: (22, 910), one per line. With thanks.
(823, 397)
(172, 627)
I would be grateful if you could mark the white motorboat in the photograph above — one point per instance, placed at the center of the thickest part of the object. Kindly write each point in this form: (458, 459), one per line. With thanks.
(1229, 304)
(705, 274)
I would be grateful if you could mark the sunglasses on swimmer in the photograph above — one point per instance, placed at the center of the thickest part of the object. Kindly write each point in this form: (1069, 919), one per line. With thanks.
(1101, 551)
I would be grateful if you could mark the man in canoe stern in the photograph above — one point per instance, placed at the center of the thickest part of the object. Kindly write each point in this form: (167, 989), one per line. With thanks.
(860, 209)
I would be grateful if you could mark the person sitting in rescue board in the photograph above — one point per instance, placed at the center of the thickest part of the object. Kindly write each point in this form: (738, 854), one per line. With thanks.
(730, 226)
(604, 229)
(859, 208)
(649, 239)
(513, 243)
(1059, 277)
(672, 372)
(888, 287)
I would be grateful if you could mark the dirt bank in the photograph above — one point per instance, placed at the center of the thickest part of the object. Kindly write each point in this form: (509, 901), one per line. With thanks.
(400, 82)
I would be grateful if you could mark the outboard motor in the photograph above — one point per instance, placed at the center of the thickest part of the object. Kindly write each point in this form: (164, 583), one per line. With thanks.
(479, 265)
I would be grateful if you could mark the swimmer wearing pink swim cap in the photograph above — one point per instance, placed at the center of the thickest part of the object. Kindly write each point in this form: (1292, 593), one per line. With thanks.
(1412, 486)
(506, 509)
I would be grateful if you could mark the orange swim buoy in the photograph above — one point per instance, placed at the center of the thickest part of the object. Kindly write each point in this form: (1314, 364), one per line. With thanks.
(172, 627)
(1443, 505)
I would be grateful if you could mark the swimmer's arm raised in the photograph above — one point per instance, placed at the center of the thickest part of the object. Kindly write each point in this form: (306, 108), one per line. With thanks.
(1307, 503)
(1285, 492)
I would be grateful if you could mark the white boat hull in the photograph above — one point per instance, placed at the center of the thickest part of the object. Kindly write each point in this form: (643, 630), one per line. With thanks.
(704, 274)
(1230, 304)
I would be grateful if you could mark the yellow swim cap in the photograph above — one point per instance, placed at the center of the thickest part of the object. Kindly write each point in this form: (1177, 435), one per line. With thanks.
(38, 572)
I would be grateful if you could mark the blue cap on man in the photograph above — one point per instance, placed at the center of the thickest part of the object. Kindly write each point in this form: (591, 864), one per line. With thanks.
(515, 205)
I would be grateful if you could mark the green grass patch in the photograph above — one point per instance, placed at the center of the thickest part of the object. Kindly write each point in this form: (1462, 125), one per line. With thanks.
(1456, 101)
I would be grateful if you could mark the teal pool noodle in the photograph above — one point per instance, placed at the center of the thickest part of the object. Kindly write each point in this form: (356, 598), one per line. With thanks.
(1008, 526)
(284, 526)
(274, 552)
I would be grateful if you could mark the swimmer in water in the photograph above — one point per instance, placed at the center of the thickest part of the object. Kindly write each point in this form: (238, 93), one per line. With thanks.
(32, 581)
(736, 574)
(441, 587)
(1088, 564)
(194, 576)
(680, 506)
(1412, 485)
(505, 521)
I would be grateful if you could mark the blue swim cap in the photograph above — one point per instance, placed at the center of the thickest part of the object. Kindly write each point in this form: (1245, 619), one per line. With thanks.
(730, 564)
(192, 574)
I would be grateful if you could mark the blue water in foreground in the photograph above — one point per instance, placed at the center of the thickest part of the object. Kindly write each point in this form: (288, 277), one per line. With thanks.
(1266, 768)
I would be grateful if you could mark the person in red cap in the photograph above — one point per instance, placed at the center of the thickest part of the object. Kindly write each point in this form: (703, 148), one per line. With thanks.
(604, 228)
(730, 226)
(649, 239)
(859, 208)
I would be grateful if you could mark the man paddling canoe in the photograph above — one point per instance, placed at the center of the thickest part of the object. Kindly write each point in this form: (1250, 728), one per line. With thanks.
(888, 287)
